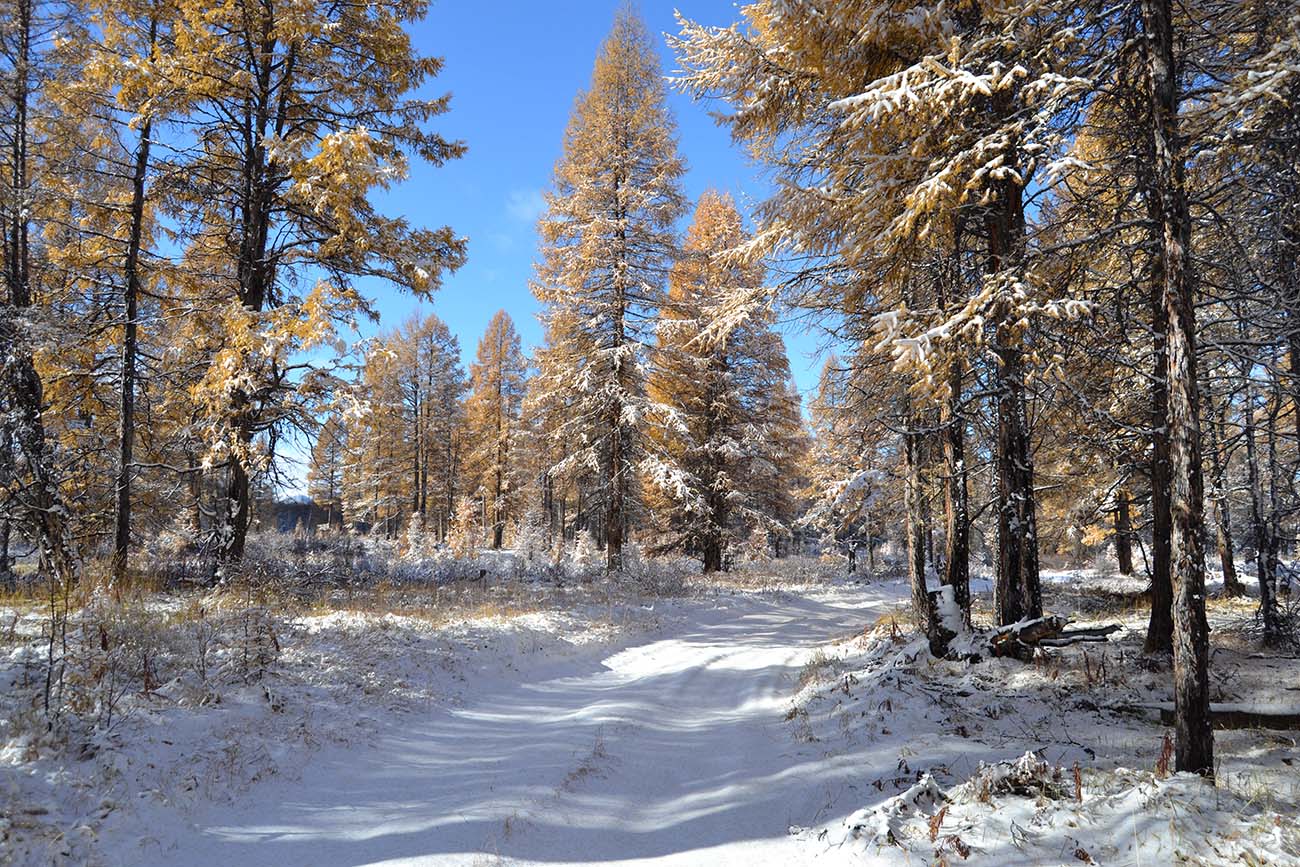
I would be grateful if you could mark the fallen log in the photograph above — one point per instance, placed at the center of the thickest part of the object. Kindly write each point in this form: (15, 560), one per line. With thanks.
(951, 638)
(1230, 715)
(1080, 636)
(1019, 639)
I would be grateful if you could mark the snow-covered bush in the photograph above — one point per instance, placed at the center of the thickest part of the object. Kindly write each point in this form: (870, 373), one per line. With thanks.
(756, 547)
(530, 540)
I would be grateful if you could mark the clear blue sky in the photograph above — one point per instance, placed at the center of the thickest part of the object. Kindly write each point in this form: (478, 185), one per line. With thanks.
(513, 69)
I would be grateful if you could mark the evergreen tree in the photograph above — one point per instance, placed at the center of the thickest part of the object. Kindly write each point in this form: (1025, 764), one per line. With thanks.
(720, 453)
(325, 474)
(492, 420)
(608, 242)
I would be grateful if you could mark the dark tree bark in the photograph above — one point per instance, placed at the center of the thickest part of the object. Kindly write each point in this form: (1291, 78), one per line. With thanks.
(913, 495)
(126, 394)
(1261, 522)
(1160, 626)
(1123, 531)
(617, 478)
(36, 493)
(1232, 585)
(956, 497)
(1194, 738)
(1016, 592)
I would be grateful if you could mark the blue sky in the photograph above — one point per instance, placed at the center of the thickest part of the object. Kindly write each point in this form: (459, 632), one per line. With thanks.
(514, 68)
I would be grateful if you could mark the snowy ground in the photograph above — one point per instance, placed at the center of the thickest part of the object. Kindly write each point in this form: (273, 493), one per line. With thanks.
(1055, 762)
(730, 726)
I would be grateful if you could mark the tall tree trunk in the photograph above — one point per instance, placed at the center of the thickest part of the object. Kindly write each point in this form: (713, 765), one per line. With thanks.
(913, 495)
(7, 578)
(126, 395)
(615, 500)
(417, 450)
(238, 510)
(1274, 473)
(34, 471)
(1160, 626)
(1016, 591)
(498, 523)
(1232, 585)
(956, 500)
(717, 521)
(1194, 738)
(1260, 524)
(1123, 531)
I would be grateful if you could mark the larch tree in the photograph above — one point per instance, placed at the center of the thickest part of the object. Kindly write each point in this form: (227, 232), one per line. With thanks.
(405, 433)
(31, 56)
(298, 112)
(718, 444)
(1194, 738)
(120, 94)
(376, 476)
(325, 472)
(493, 413)
(607, 243)
(434, 385)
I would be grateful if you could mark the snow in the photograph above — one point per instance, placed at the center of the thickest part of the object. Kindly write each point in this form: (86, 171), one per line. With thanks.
(666, 749)
(728, 725)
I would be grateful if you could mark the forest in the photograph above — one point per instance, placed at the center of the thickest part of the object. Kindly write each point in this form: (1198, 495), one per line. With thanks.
(1016, 576)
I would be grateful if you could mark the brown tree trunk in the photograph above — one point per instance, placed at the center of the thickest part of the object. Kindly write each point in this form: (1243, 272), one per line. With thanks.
(126, 394)
(1260, 524)
(1123, 532)
(1016, 591)
(615, 501)
(913, 494)
(238, 510)
(498, 522)
(1232, 585)
(1194, 738)
(1160, 626)
(34, 468)
(956, 498)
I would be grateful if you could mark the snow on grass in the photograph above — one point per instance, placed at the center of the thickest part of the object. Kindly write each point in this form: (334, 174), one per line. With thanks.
(590, 722)
(1053, 762)
(176, 703)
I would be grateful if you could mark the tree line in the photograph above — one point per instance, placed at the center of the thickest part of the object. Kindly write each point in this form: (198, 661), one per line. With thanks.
(1054, 244)
(188, 213)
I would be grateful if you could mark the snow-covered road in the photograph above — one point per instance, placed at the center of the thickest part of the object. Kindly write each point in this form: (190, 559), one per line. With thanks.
(672, 750)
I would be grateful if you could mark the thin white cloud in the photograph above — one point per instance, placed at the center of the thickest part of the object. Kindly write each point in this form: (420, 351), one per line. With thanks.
(525, 205)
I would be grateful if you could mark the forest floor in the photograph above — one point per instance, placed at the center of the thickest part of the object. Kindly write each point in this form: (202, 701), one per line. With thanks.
(749, 721)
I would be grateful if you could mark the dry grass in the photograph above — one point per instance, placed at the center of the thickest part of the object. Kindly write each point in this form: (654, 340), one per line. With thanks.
(819, 667)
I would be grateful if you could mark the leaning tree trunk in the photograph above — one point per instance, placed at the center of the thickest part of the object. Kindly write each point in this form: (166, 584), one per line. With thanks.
(1194, 738)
